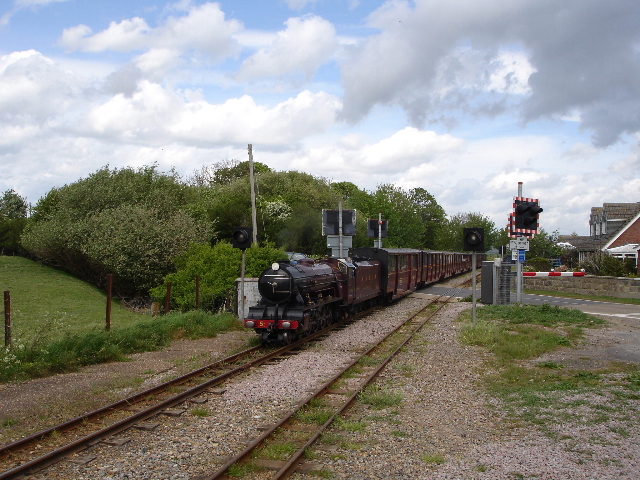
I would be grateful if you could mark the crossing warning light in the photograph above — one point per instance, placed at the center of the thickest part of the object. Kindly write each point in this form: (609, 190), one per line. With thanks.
(242, 237)
(524, 219)
(474, 239)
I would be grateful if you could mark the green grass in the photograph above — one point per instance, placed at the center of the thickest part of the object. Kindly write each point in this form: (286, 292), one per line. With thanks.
(77, 350)
(59, 324)
(45, 297)
(538, 392)
(380, 398)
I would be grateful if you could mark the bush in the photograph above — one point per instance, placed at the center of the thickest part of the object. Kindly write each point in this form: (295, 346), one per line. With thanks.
(606, 265)
(218, 267)
(539, 264)
(127, 223)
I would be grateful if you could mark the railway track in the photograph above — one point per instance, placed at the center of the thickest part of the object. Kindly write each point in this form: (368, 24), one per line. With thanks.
(330, 401)
(19, 455)
(24, 457)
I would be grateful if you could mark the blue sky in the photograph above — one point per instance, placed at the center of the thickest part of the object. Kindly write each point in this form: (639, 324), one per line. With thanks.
(464, 99)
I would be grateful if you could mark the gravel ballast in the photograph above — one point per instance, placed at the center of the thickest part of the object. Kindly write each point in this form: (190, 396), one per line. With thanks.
(446, 427)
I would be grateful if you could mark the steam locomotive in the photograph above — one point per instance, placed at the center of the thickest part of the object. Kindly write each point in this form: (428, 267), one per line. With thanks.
(303, 296)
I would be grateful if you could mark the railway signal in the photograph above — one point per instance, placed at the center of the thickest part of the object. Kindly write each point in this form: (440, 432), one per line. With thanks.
(331, 222)
(524, 219)
(473, 239)
(242, 237)
(377, 228)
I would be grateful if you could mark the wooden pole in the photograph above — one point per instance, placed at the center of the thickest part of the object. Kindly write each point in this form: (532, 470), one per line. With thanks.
(252, 180)
(109, 298)
(7, 318)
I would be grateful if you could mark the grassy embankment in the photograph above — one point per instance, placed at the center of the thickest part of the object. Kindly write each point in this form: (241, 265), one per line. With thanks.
(58, 323)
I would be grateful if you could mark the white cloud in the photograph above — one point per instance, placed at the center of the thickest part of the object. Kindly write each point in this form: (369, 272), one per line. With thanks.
(204, 29)
(437, 60)
(306, 44)
(34, 89)
(153, 114)
(408, 148)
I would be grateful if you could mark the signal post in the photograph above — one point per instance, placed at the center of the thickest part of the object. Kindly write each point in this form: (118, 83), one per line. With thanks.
(523, 225)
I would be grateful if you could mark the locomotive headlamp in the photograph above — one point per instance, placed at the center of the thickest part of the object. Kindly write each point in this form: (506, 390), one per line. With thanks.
(275, 266)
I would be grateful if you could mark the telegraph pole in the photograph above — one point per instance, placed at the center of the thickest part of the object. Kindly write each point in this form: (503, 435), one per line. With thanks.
(252, 179)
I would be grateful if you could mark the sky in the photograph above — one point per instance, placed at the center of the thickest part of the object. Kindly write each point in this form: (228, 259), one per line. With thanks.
(462, 98)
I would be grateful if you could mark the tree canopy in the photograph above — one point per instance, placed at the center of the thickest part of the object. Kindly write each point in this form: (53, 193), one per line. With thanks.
(134, 223)
(130, 223)
(450, 235)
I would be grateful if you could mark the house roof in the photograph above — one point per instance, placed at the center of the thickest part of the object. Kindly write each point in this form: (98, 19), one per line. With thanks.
(621, 211)
(620, 231)
(582, 243)
(622, 215)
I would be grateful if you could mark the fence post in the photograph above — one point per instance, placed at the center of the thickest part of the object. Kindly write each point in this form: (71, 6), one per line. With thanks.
(109, 298)
(167, 300)
(7, 318)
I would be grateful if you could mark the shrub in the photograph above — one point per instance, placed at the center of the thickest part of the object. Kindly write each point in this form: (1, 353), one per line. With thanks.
(218, 267)
(539, 264)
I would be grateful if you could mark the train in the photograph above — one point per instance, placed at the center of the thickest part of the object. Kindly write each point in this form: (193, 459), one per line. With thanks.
(299, 297)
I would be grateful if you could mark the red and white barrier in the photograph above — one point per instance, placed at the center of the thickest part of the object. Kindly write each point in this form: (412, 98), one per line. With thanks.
(553, 274)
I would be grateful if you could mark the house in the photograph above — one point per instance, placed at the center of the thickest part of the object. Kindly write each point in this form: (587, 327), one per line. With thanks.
(614, 228)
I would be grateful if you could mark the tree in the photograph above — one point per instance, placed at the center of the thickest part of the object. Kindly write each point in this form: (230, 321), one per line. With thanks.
(286, 202)
(431, 214)
(224, 172)
(545, 245)
(413, 215)
(130, 223)
(13, 206)
(13, 218)
(218, 267)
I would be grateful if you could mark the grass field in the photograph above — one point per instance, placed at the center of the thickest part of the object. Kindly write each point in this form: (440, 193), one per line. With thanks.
(59, 324)
(46, 301)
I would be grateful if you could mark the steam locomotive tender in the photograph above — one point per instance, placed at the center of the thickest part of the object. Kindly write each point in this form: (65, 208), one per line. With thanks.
(298, 298)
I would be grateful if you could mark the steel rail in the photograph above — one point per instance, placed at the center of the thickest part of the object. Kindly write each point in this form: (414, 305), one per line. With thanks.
(52, 457)
(14, 447)
(290, 465)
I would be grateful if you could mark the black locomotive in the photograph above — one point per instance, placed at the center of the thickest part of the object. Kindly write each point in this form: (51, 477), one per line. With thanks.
(300, 297)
